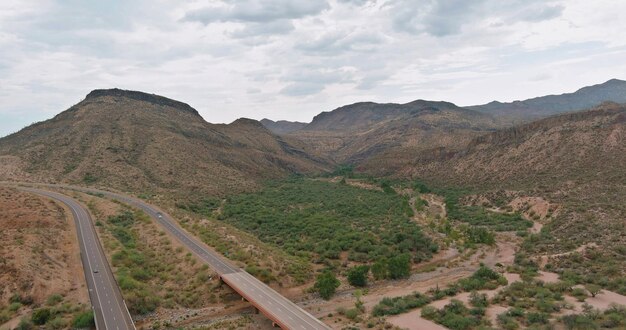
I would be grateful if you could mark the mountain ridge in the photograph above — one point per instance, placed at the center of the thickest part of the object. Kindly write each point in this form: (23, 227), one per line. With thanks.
(139, 142)
(538, 107)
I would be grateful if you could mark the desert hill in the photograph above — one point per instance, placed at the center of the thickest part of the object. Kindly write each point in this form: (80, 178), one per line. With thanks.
(147, 143)
(282, 126)
(575, 147)
(357, 132)
(613, 90)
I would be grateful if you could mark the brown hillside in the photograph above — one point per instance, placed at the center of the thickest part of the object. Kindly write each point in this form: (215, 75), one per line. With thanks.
(361, 131)
(38, 253)
(146, 143)
(577, 147)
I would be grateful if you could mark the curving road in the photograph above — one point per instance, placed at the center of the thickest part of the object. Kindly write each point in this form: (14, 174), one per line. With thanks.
(276, 307)
(110, 311)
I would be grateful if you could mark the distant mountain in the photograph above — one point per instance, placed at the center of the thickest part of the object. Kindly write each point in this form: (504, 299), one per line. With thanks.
(146, 143)
(282, 126)
(613, 90)
(356, 132)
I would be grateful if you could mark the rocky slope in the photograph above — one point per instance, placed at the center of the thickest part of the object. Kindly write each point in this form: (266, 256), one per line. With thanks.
(361, 131)
(146, 144)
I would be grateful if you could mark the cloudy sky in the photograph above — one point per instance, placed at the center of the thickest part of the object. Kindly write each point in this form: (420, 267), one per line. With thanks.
(291, 59)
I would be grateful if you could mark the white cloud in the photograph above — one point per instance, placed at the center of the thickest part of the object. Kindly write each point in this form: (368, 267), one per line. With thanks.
(286, 59)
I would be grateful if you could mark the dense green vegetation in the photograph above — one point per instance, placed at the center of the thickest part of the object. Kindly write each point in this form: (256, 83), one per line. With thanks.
(134, 266)
(147, 271)
(205, 206)
(483, 278)
(320, 220)
(456, 316)
(479, 216)
(399, 305)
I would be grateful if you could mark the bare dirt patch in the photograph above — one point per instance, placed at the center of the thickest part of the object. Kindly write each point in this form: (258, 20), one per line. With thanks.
(39, 254)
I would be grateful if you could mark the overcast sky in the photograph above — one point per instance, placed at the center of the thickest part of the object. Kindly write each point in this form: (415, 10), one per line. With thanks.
(291, 59)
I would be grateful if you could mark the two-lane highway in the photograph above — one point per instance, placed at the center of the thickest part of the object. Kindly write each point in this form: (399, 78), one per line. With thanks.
(110, 311)
(276, 307)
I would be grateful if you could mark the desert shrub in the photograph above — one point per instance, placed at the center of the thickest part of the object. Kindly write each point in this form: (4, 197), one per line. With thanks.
(56, 323)
(398, 305)
(483, 278)
(326, 284)
(399, 266)
(41, 316)
(24, 324)
(352, 313)
(457, 317)
(507, 322)
(54, 299)
(581, 322)
(380, 269)
(357, 275)
(478, 299)
(14, 307)
(579, 294)
(263, 274)
(537, 318)
(84, 320)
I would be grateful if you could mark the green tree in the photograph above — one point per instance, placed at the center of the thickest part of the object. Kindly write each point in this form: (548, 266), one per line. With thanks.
(593, 289)
(326, 284)
(357, 275)
(399, 266)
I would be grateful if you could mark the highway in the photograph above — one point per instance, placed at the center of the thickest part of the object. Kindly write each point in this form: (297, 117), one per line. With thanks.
(276, 307)
(110, 311)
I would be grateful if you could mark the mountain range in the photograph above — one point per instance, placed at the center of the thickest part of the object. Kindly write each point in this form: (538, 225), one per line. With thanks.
(146, 143)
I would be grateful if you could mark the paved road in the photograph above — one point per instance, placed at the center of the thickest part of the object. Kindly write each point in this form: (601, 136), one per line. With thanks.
(109, 308)
(279, 309)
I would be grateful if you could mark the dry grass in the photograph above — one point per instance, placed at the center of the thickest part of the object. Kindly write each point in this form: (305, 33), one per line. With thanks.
(38, 252)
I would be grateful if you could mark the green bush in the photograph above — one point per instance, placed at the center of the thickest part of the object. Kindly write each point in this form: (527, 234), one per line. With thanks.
(56, 323)
(352, 313)
(357, 275)
(13, 307)
(399, 266)
(380, 269)
(84, 320)
(24, 324)
(54, 299)
(398, 305)
(41, 316)
(478, 299)
(326, 284)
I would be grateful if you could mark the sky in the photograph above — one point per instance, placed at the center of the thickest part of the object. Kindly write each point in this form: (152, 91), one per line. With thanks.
(292, 59)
